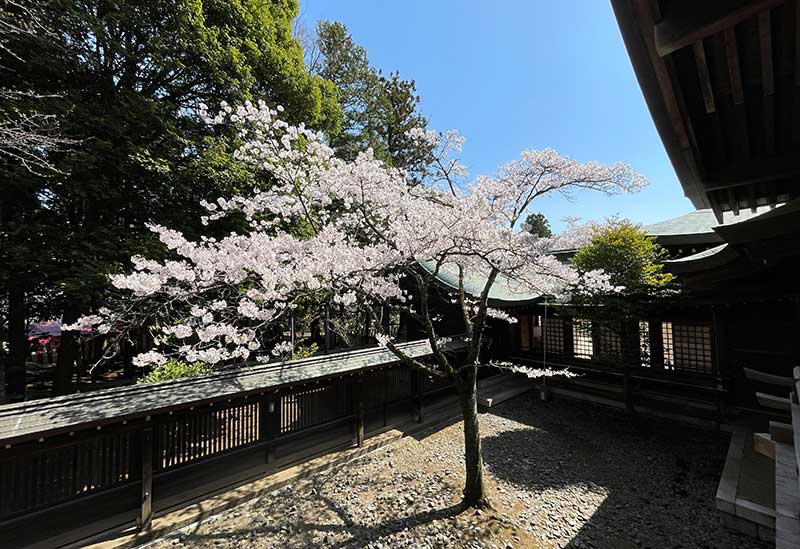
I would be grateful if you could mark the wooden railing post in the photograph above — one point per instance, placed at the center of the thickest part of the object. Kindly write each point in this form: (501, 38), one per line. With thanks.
(656, 344)
(269, 420)
(419, 393)
(146, 508)
(358, 411)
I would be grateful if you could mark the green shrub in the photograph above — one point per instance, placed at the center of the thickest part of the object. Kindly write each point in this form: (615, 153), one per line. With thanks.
(175, 369)
(305, 351)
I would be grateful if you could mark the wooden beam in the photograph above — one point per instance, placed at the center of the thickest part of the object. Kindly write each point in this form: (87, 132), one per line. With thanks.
(796, 95)
(757, 170)
(765, 43)
(687, 22)
(770, 379)
(715, 206)
(774, 402)
(767, 80)
(737, 90)
(733, 202)
(703, 76)
(752, 203)
(644, 15)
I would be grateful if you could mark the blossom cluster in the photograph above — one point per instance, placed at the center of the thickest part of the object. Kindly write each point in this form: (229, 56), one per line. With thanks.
(367, 227)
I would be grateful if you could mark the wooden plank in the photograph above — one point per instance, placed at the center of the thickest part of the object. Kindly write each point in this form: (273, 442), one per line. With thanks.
(781, 432)
(737, 89)
(796, 430)
(774, 402)
(733, 202)
(767, 81)
(764, 445)
(728, 485)
(704, 76)
(771, 379)
(665, 83)
(48, 417)
(688, 22)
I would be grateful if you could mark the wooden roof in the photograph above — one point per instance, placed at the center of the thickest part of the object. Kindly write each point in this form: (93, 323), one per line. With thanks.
(52, 416)
(722, 81)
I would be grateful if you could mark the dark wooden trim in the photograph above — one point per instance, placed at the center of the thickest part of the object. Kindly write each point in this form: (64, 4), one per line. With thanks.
(689, 21)
(767, 80)
(737, 89)
(704, 76)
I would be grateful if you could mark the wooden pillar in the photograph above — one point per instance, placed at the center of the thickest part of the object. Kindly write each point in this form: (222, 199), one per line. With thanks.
(569, 339)
(419, 394)
(357, 391)
(630, 341)
(719, 353)
(146, 507)
(656, 344)
(269, 423)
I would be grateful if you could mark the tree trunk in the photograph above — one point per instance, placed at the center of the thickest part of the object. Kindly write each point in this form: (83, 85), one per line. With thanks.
(474, 491)
(17, 345)
(67, 354)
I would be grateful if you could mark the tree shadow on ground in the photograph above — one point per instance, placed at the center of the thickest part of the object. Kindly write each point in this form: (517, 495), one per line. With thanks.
(618, 481)
(358, 532)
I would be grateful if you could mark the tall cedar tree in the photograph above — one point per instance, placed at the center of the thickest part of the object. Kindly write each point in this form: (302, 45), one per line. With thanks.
(538, 225)
(379, 111)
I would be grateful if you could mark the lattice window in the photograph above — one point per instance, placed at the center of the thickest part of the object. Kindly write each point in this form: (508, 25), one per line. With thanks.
(554, 336)
(687, 346)
(582, 338)
(609, 344)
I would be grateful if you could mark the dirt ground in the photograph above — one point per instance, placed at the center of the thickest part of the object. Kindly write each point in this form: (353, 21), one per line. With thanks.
(560, 474)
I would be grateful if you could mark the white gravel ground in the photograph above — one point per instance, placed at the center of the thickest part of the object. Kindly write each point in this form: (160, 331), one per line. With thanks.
(560, 474)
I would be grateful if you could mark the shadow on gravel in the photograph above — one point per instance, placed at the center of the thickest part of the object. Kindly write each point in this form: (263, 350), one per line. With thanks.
(654, 483)
(360, 534)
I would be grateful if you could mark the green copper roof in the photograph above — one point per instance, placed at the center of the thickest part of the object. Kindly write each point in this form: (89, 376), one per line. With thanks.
(504, 291)
(697, 227)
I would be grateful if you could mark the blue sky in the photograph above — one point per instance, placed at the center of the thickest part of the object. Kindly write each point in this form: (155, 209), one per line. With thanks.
(522, 74)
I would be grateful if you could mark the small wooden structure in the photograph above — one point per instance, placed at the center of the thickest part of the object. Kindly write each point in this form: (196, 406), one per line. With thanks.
(74, 466)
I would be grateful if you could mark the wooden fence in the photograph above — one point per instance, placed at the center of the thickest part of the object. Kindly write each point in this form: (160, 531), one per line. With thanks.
(75, 466)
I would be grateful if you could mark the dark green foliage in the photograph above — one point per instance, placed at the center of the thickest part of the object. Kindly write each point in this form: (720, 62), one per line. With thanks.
(378, 110)
(345, 63)
(125, 80)
(538, 225)
(394, 115)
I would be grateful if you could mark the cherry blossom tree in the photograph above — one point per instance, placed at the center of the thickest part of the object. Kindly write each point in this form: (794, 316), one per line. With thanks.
(365, 232)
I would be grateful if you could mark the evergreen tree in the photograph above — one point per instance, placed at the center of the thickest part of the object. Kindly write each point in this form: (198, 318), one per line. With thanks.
(127, 80)
(538, 225)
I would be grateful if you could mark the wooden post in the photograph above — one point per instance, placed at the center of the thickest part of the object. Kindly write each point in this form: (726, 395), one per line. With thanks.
(656, 344)
(419, 395)
(269, 420)
(358, 411)
(569, 339)
(146, 509)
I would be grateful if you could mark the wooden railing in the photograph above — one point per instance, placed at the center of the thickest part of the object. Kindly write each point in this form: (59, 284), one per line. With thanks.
(74, 466)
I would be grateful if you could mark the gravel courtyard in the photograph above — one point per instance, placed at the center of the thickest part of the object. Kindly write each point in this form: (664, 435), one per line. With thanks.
(561, 474)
